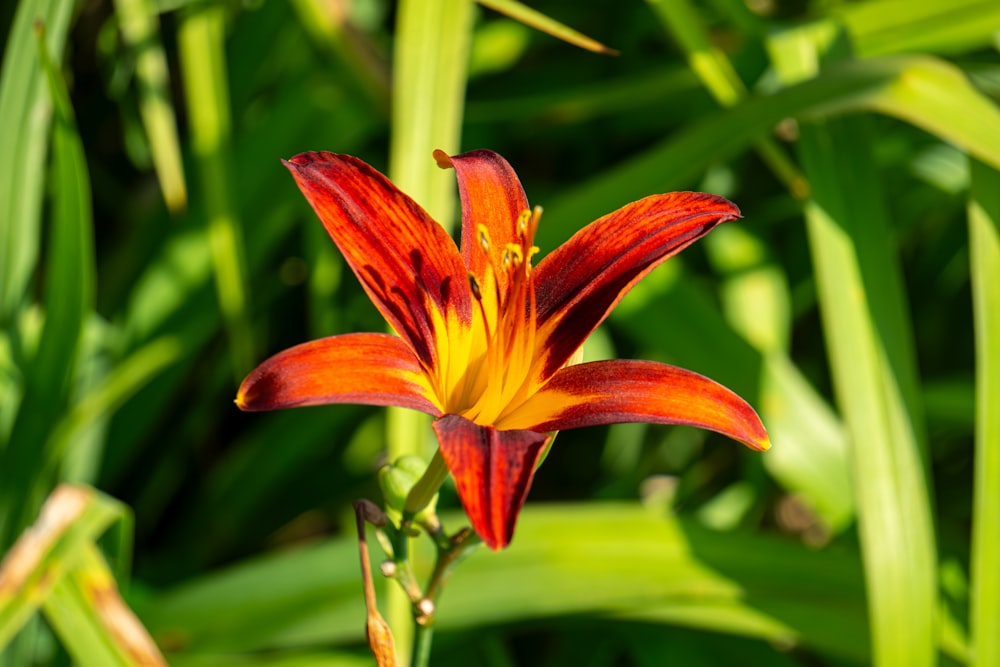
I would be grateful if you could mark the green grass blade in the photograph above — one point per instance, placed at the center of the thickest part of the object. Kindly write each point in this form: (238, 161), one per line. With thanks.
(531, 17)
(140, 27)
(984, 244)
(870, 346)
(873, 379)
(25, 109)
(123, 381)
(719, 76)
(68, 300)
(430, 67)
(202, 50)
(910, 26)
(429, 74)
(927, 92)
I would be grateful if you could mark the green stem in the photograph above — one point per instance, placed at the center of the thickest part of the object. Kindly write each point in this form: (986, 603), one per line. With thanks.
(422, 645)
(984, 244)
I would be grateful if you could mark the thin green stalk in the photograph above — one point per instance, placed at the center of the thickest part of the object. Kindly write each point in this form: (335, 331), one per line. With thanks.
(202, 55)
(422, 645)
(140, 27)
(719, 77)
(428, 93)
(984, 245)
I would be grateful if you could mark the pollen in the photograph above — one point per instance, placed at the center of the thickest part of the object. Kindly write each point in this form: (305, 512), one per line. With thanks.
(474, 286)
(512, 257)
(483, 236)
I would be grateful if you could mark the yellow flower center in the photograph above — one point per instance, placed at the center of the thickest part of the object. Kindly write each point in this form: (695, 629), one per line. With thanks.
(496, 371)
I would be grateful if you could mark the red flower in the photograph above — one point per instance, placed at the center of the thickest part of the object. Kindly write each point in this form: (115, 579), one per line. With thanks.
(484, 337)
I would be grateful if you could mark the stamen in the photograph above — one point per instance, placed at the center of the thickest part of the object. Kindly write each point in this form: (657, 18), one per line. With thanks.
(484, 238)
(534, 250)
(512, 257)
(522, 223)
(536, 216)
(474, 286)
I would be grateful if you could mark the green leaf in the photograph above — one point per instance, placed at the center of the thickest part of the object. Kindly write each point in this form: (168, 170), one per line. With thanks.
(69, 287)
(203, 61)
(927, 92)
(908, 26)
(984, 245)
(140, 27)
(531, 17)
(868, 336)
(25, 108)
(565, 560)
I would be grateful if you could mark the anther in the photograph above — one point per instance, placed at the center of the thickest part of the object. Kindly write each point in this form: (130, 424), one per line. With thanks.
(484, 238)
(512, 256)
(474, 286)
(522, 223)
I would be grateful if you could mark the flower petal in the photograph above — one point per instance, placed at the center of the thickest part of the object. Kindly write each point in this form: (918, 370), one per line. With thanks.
(492, 470)
(407, 263)
(369, 368)
(581, 281)
(491, 196)
(615, 392)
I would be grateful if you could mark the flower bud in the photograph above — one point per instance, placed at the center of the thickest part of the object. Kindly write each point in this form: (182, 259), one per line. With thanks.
(398, 478)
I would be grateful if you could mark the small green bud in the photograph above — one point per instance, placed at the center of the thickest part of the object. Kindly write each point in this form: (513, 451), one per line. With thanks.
(398, 478)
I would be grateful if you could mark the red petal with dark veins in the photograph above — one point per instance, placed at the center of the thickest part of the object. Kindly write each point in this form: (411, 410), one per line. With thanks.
(493, 472)
(368, 368)
(491, 196)
(581, 281)
(406, 262)
(615, 392)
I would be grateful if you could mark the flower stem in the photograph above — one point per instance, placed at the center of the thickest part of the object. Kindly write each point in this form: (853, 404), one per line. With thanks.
(422, 645)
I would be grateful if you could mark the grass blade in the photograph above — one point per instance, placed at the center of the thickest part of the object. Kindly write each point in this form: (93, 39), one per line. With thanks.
(68, 299)
(927, 92)
(720, 78)
(140, 29)
(984, 244)
(202, 51)
(430, 67)
(25, 109)
(873, 382)
(530, 17)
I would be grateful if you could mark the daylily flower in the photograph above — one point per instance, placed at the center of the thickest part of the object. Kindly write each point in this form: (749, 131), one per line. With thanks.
(485, 339)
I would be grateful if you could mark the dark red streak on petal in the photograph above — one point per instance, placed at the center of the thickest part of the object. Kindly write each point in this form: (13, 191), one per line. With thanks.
(493, 472)
(406, 262)
(580, 282)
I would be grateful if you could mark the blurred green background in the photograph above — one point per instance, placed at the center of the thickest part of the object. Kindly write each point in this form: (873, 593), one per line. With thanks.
(153, 250)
